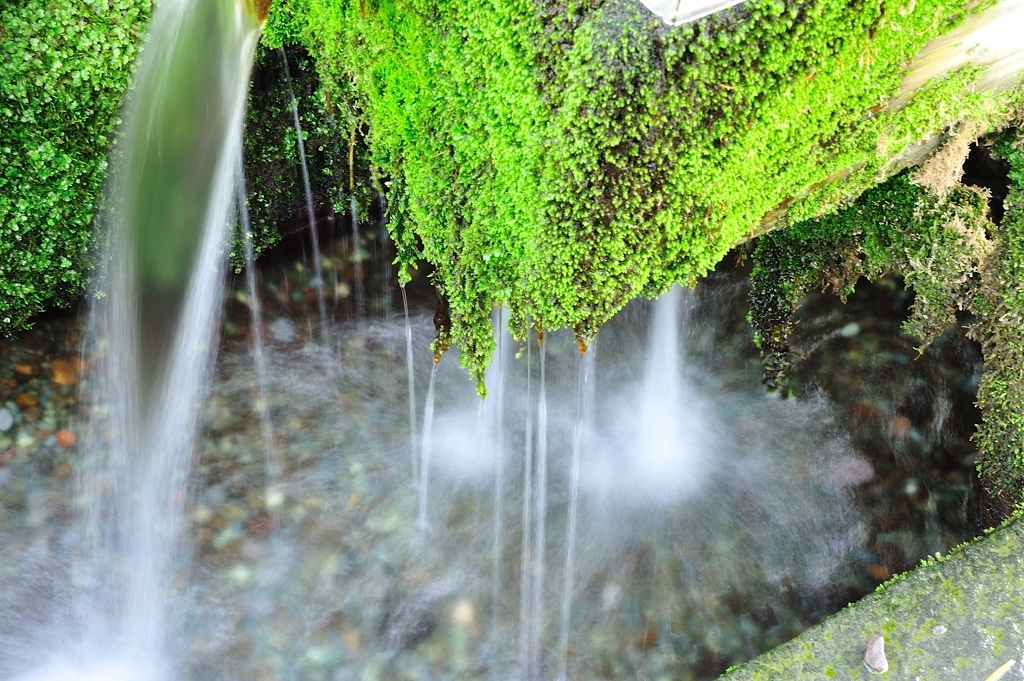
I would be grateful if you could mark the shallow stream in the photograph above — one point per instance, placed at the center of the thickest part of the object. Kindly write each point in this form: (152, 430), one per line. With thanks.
(745, 519)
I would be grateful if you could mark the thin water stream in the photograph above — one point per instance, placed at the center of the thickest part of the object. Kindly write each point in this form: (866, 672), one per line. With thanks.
(270, 454)
(314, 236)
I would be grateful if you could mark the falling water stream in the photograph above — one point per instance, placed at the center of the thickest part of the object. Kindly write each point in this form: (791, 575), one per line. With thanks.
(526, 575)
(165, 229)
(314, 237)
(270, 455)
(412, 387)
(540, 516)
(585, 381)
(426, 447)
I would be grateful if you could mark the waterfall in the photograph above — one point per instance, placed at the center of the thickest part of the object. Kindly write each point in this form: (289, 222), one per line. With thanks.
(357, 257)
(540, 515)
(498, 434)
(583, 387)
(525, 585)
(169, 198)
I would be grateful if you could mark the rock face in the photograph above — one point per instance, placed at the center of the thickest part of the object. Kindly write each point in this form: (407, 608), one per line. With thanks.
(874, 658)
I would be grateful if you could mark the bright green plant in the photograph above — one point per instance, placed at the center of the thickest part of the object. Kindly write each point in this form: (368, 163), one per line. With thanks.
(64, 68)
(939, 244)
(561, 158)
(999, 308)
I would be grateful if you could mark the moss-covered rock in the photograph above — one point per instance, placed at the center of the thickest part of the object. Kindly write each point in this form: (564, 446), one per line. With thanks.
(953, 257)
(938, 243)
(999, 310)
(65, 67)
(955, 618)
(562, 158)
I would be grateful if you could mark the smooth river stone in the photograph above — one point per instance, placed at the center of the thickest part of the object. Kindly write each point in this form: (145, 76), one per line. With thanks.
(874, 658)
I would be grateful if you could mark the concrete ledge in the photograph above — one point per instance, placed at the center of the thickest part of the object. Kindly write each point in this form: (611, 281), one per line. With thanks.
(977, 595)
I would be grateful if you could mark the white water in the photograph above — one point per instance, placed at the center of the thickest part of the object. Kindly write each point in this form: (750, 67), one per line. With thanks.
(500, 366)
(412, 387)
(318, 281)
(540, 519)
(271, 462)
(153, 324)
(526, 563)
(425, 451)
(585, 382)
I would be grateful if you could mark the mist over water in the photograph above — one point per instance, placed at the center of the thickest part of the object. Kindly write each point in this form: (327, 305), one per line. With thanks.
(152, 327)
(698, 495)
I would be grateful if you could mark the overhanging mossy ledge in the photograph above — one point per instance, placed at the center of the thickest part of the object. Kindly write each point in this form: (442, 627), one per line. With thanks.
(561, 158)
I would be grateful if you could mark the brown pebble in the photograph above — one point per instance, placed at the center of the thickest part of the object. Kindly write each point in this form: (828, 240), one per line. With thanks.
(900, 426)
(25, 369)
(31, 414)
(66, 439)
(25, 400)
(260, 525)
(6, 457)
(63, 470)
(879, 571)
(65, 371)
(874, 658)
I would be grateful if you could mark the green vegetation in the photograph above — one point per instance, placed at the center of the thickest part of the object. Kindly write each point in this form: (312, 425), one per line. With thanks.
(999, 307)
(562, 158)
(938, 243)
(64, 68)
(952, 256)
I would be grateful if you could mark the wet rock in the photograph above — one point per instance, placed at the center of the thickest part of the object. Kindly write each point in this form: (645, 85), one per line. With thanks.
(66, 439)
(900, 426)
(879, 572)
(282, 330)
(850, 330)
(25, 400)
(874, 658)
(32, 414)
(408, 622)
(6, 420)
(260, 525)
(25, 369)
(65, 371)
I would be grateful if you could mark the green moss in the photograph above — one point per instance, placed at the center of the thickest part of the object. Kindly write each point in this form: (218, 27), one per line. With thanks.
(938, 243)
(276, 196)
(952, 257)
(64, 67)
(999, 307)
(562, 158)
